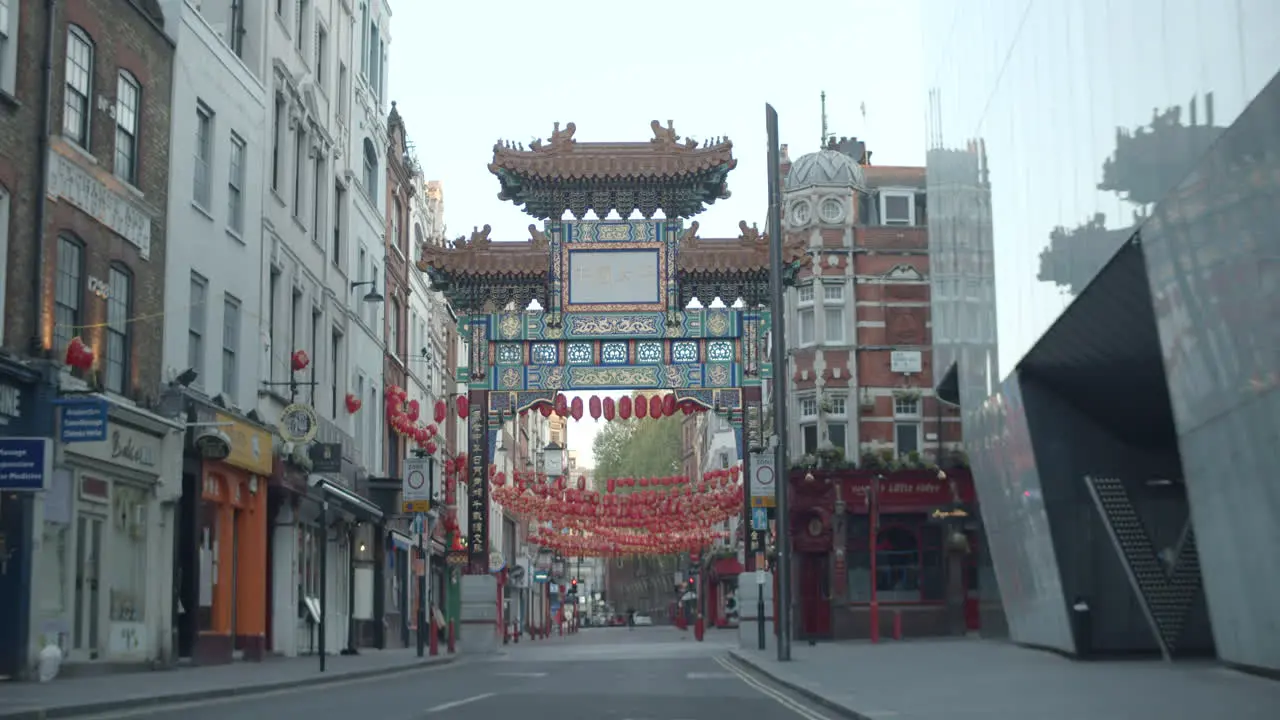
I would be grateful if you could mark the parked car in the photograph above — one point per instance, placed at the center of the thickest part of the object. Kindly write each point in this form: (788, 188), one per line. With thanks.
(643, 621)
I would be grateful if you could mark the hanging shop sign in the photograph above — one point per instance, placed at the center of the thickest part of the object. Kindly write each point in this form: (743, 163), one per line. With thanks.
(299, 424)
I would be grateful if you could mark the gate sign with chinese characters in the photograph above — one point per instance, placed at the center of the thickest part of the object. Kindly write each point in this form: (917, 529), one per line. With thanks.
(614, 298)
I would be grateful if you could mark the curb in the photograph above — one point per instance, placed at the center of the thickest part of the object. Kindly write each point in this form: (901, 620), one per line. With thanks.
(751, 667)
(106, 706)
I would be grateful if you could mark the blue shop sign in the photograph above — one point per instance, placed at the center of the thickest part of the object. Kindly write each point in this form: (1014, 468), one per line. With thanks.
(82, 419)
(25, 463)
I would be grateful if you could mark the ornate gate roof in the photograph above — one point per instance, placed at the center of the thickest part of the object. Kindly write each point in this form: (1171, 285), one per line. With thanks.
(563, 174)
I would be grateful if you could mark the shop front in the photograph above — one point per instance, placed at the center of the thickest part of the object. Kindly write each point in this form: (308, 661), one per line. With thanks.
(103, 582)
(232, 458)
(23, 423)
(399, 605)
(902, 542)
(722, 589)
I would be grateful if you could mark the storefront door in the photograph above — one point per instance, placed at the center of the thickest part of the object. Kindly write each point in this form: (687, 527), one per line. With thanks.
(814, 598)
(88, 600)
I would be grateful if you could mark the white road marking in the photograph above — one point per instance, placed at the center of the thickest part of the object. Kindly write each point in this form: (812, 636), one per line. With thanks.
(709, 676)
(457, 703)
(521, 674)
(778, 697)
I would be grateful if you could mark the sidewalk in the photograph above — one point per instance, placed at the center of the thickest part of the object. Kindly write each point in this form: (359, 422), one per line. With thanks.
(68, 697)
(958, 679)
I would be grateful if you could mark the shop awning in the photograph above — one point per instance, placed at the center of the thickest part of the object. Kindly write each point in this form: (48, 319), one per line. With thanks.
(350, 501)
(400, 540)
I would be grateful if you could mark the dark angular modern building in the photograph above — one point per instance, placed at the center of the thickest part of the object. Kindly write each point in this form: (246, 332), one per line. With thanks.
(1104, 194)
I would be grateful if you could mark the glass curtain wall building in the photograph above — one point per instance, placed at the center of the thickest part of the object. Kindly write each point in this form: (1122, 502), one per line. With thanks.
(1104, 193)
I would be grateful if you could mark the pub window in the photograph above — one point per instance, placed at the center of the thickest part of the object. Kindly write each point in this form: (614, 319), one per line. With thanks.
(906, 438)
(68, 292)
(898, 563)
(119, 304)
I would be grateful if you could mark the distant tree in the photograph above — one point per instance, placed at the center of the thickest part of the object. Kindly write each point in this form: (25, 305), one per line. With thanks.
(638, 448)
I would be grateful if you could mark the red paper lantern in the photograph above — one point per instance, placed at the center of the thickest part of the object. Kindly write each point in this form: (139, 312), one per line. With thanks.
(575, 408)
(79, 356)
(431, 448)
(686, 407)
(624, 407)
(640, 408)
(462, 407)
(655, 406)
(414, 409)
(669, 404)
(545, 409)
(353, 403)
(299, 360)
(441, 411)
(608, 408)
(562, 405)
(594, 407)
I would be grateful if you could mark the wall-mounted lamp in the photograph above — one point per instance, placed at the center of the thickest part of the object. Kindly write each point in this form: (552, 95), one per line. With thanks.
(373, 296)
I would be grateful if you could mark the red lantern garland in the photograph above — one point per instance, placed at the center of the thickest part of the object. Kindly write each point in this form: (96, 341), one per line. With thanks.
(609, 408)
(462, 407)
(624, 407)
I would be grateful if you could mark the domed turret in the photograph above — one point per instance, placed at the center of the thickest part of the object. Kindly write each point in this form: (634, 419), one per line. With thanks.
(825, 168)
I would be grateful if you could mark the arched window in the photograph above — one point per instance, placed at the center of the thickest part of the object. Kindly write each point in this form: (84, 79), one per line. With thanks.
(370, 170)
(68, 295)
(128, 103)
(119, 339)
(78, 87)
(418, 239)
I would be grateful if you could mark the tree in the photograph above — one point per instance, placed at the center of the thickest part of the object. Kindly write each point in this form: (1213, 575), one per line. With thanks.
(638, 448)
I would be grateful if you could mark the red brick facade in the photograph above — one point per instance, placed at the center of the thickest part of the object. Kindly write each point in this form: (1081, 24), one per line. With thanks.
(125, 37)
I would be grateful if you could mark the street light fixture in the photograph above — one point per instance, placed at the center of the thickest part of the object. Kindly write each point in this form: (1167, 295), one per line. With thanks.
(373, 296)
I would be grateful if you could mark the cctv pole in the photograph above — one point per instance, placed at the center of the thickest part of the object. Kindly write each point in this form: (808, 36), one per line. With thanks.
(779, 385)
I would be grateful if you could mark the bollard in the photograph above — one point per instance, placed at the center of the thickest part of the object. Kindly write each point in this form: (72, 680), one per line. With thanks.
(874, 617)
(897, 624)
(517, 633)
(698, 628)
(433, 637)
(452, 645)
(506, 634)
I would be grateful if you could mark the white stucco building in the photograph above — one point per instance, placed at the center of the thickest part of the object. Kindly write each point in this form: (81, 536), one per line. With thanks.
(217, 145)
(324, 64)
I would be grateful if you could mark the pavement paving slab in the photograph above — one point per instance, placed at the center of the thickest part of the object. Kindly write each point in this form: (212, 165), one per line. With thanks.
(965, 678)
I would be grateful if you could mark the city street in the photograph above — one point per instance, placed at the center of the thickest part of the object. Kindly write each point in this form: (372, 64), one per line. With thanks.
(609, 673)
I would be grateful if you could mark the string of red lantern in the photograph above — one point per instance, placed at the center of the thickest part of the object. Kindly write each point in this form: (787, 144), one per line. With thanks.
(657, 516)
(624, 408)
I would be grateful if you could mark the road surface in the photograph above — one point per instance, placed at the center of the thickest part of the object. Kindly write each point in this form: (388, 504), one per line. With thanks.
(652, 673)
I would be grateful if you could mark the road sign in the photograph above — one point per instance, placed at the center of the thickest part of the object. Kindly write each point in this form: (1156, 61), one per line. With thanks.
(416, 486)
(759, 518)
(25, 464)
(758, 501)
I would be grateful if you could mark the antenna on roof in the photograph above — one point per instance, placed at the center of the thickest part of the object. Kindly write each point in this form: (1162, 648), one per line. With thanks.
(825, 134)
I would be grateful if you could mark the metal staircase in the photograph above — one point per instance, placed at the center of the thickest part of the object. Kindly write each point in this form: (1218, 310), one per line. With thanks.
(1164, 593)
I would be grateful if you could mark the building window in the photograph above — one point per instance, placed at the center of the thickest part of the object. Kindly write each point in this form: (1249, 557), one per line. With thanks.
(197, 320)
(908, 407)
(322, 59)
(79, 87)
(906, 437)
(804, 315)
(335, 352)
(343, 83)
(300, 27)
(808, 406)
(833, 314)
(396, 209)
(277, 130)
(364, 40)
(235, 185)
(299, 173)
(836, 411)
(897, 208)
(359, 426)
(119, 302)
(317, 201)
(339, 202)
(272, 298)
(8, 46)
(393, 329)
(236, 31)
(230, 345)
(370, 170)
(202, 188)
(67, 292)
(128, 96)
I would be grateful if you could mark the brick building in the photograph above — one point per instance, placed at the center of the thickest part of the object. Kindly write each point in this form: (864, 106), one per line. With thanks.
(859, 322)
(399, 194)
(108, 175)
(96, 188)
